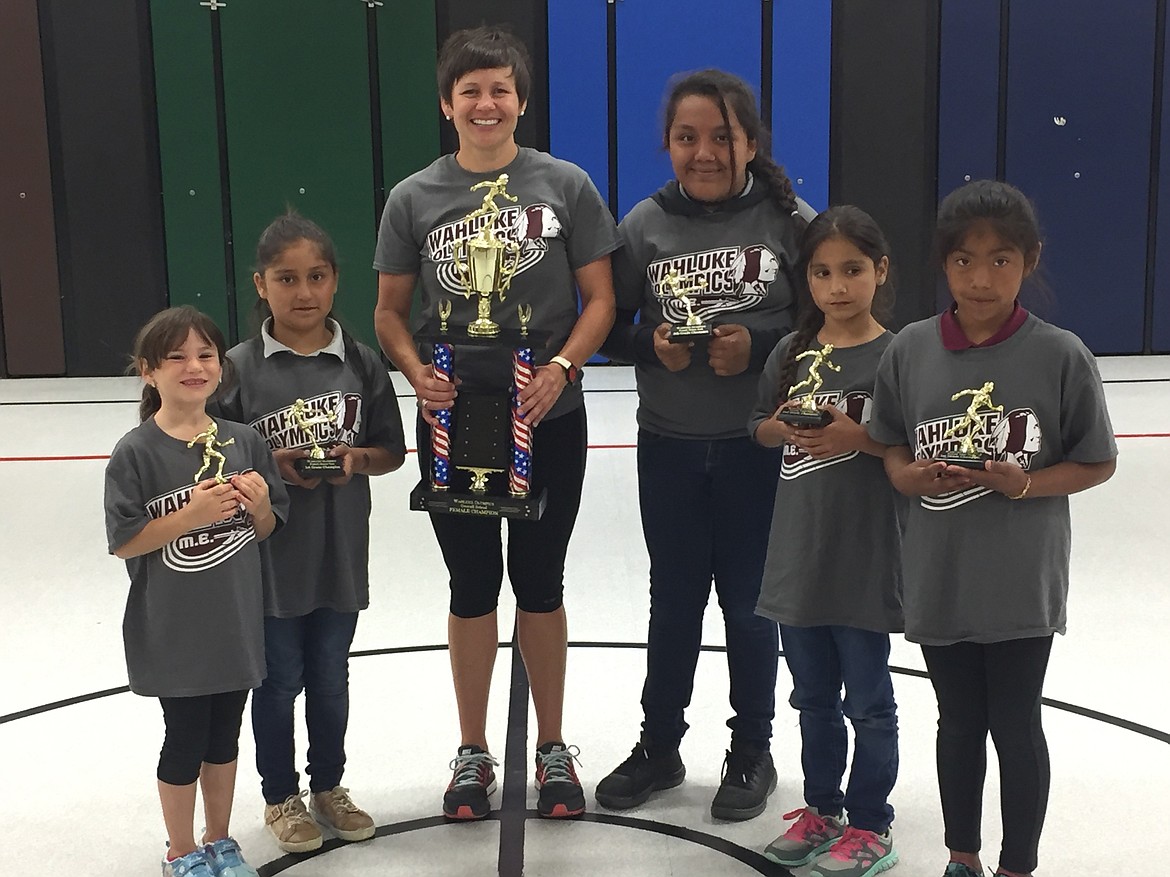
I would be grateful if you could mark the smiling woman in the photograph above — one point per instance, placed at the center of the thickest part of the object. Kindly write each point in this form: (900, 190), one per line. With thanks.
(552, 216)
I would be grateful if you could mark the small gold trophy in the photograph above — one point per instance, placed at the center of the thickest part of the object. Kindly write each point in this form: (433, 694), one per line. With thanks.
(807, 415)
(211, 444)
(673, 286)
(486, 262)
(970, 428)
(318, 464)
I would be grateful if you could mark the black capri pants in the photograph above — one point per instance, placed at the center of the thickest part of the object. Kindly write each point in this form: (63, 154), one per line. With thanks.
(199, 729)
(472, 545)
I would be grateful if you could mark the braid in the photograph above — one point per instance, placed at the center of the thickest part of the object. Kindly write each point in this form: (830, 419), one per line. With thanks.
(779, 185)
(809, 322)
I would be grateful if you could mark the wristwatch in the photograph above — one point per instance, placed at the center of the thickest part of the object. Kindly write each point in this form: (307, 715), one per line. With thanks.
(571, 371)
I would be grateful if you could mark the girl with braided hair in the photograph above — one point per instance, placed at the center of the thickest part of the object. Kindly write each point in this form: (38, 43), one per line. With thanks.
(726, 227)
(837, 598)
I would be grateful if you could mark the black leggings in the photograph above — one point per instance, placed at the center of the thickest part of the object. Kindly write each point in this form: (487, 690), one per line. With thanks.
(992, 687)
(471, 545)
(199, 729)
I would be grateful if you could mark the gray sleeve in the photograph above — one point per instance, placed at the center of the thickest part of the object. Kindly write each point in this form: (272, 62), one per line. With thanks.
(265, 464)
(125, 505)
(1086, 431)
(594, 233)
(767, 397)
(887, 423)
(385, 421)
(397, 250)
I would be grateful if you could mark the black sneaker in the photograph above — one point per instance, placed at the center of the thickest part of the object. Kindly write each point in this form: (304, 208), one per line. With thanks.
(643, 772)
(467, 794)
(749, 777)
(556, 780)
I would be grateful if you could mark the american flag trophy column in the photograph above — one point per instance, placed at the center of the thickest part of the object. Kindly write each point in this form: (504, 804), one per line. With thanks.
(521, 467)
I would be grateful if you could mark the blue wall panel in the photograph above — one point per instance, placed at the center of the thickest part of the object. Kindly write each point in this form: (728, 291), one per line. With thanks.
(1080, 89)
(653, 43)
(578, 87)
(801, 54)
(968, 92)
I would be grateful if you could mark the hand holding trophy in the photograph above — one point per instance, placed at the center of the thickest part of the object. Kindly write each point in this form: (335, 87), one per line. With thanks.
(807, 415)
(970, 428)
(318, 464)
(673, 287)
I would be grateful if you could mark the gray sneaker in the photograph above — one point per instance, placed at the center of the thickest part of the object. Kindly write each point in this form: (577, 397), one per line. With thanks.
(808, 837)
(857, 853)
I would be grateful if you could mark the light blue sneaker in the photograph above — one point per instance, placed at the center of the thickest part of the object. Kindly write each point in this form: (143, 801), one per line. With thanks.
(194, 864)
(227, 860)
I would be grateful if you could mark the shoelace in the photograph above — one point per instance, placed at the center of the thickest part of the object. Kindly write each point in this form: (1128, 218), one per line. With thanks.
(467, 768)
(558, 765)
(227, 850)
(339, 798)
(807, 823)
(851, 843)
(293, 809)
(740, 767)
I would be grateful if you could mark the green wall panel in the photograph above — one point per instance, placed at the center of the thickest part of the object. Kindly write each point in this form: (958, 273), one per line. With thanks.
(407, 52)
(297, 101)
(189, 153)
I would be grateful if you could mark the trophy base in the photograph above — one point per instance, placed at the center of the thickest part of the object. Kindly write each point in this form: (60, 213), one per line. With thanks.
(309, 467)
(688, 332)
(425, 499)
(964, 460)
(802, 419)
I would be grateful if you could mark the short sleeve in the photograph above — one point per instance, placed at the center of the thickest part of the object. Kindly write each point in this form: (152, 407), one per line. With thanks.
(629, 275)
(384, 425)
(1086, 431)
(265, 464)
(767, 395)
(593, 233)
(126, 514)
(397, 250)
(887, 424)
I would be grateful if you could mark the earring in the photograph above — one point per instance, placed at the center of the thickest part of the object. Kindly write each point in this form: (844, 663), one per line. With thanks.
(522, 112)
(448, 118)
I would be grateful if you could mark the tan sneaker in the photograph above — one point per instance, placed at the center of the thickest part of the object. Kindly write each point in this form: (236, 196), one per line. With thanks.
(292, 826)
(337, 810)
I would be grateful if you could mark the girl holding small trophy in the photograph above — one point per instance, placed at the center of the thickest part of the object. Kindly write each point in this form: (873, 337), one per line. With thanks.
(837, 599)
(305, 383)
(704, 262)
(986, 553)
(193, 627)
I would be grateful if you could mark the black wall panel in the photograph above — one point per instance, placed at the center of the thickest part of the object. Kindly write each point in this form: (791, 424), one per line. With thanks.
(106, 177)
(884, 141)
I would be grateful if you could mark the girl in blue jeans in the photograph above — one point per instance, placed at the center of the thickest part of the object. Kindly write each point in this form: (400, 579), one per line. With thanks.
(316, 577)
(833, 573)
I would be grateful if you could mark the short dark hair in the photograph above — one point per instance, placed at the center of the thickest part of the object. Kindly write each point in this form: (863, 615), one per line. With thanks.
(1004, 207)
(483, 48)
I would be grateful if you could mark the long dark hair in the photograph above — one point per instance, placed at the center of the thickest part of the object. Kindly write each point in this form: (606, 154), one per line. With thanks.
(286, 230)
(727, 90)
(165, 332)
(859, 228)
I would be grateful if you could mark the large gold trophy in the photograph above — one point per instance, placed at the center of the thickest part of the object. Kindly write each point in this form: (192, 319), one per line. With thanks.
(486, 262)
(481, 449)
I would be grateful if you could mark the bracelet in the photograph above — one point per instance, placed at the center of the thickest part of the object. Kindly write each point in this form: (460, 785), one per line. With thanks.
(1024, 492)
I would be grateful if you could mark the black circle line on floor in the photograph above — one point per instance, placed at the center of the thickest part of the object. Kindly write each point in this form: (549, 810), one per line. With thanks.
(717, 844)
(1084, 712)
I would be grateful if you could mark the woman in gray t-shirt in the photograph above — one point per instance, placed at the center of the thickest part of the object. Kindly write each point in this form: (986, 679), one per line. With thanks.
(563, 232)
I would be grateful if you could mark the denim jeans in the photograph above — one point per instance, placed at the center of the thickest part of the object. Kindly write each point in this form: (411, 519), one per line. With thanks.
(309, 652)
(706, 513)
(821, 660)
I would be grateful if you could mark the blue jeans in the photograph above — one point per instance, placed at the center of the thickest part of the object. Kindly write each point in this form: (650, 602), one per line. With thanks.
(821, 660)
(706, 513)
(309, 652)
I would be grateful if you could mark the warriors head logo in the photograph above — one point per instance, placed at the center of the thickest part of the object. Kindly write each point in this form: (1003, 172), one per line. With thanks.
(756, 265)
(537, 221)
(1017, 437)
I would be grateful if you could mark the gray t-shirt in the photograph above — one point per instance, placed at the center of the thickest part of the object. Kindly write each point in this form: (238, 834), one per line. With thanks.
(194, 621)
(560, 223)
(834, 553)
(320, 559)
(978, 566)
(740, 254)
